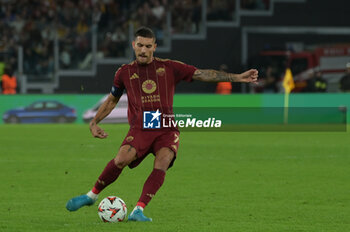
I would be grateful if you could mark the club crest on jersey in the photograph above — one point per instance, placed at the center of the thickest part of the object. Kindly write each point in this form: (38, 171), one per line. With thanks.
(160, 71)
(149, 86)
(134, 76)
(151, 119)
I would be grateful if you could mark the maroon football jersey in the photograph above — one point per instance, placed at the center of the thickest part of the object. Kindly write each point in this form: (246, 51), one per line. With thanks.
(151, 87)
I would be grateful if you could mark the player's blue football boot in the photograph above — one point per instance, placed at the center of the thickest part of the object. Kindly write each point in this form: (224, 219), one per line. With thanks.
(137, 216)
(77, 202)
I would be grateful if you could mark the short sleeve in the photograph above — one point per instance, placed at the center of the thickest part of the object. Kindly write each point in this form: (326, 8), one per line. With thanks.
(182, 71)
(118, 85)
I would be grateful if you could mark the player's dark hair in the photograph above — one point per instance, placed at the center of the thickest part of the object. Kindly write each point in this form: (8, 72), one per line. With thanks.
(144, 32)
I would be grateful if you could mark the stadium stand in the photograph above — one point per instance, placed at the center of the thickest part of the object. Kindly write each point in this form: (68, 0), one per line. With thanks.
(93, 36)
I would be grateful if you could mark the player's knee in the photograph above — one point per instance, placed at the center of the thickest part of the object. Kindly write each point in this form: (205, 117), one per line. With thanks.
(121, 163)
(163, 164)
(164, 159)
(125, 156)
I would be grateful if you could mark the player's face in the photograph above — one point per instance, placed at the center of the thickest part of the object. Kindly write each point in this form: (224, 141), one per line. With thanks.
(144, 48)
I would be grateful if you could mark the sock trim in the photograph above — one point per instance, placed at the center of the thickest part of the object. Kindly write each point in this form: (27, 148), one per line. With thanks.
(141, 204)
(95, 190)
(92, 195)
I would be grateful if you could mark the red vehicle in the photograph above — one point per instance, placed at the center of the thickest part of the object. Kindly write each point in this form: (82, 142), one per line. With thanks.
(330, 60)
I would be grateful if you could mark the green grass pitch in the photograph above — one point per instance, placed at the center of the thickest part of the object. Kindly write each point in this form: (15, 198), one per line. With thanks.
(248, 181)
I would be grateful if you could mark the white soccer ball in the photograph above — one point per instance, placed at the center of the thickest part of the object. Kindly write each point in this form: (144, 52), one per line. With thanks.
(112, 209)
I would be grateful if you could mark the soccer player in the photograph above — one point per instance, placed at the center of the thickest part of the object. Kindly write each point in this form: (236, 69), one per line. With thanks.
(150, 84)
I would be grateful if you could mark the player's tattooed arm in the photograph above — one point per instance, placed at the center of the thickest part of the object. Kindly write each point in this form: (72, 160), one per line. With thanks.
(210, 75)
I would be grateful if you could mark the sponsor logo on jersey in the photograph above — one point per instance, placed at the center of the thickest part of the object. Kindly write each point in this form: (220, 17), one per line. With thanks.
(150, 98)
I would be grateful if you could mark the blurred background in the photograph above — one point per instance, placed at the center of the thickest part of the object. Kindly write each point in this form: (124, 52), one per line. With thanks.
(61, 56)
(68, 46)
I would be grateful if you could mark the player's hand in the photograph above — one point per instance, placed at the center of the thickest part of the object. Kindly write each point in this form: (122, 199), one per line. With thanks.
(250, 76)
(97, 132)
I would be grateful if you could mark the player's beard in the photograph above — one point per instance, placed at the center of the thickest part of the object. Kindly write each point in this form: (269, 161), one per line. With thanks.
(143, 59)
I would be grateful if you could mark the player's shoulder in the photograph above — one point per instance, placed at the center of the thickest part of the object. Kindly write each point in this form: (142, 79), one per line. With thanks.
(124, 67)
(120, 69)
(168, 61)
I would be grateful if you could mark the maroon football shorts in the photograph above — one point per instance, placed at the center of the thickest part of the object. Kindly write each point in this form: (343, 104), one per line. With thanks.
(151, 141)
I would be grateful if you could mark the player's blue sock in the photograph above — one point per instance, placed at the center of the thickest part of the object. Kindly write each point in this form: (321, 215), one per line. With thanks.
(137, 215)
(77, 202)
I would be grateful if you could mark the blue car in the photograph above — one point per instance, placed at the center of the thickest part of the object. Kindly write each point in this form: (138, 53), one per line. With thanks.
(41, 112)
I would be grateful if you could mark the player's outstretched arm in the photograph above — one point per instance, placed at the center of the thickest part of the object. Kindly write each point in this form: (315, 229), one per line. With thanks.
(210, 75)
(104, 110)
